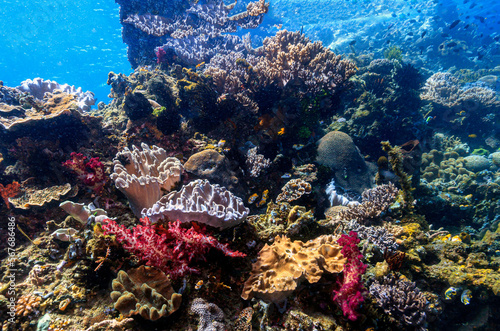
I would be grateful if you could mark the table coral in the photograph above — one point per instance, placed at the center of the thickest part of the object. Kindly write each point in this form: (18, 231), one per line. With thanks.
(35, 197)
(145, 291)
(281, 266)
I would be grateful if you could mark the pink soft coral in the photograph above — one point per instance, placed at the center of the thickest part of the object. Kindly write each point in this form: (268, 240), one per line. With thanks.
(349, 296)
(171, 249)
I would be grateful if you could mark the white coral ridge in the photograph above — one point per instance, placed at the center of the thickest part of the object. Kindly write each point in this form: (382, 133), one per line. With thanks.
(202, 202)
(145, 176)
(38, 87)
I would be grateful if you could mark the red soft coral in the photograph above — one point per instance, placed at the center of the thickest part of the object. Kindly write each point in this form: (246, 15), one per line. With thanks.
(91, 173)
(350, 294)
(171, 249)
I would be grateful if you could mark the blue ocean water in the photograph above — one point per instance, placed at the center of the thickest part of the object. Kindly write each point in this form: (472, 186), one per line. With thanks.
(78, 43)
(71, 42)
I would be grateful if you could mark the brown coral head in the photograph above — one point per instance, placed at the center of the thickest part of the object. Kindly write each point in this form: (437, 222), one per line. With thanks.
(145, 291)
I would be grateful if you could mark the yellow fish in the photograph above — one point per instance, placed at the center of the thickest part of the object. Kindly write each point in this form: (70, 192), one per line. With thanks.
(466, 296)
(198, 285)
(252, 198)
(473, 135)
(451, 292)
(263, 200)
(281, 132)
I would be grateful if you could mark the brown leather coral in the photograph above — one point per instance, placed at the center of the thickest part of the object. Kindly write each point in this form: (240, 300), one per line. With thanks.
(145, 291)
(283, 265)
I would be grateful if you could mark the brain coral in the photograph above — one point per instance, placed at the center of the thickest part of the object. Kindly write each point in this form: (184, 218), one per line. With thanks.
(283, 265)
(210, 164)
(337, 151)
(145, 291)
(143, 176)
(202, 202)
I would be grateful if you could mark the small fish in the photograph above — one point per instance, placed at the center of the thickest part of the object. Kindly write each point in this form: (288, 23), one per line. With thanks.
(263, 200)
(473, 5)
(410, 34)
(198, 285)
(352, 43)
(393, 15)
(388, 41)
(451, 292)
(286, 176)
(445, 35)
(423, 34)
(200, 65)
(472, 135)
(221, 143)
(466, 296)
(298, 147)
(452, 44)
(480, 18)
(466, 27)
(252, 198)
(454, 24)
(281, 132)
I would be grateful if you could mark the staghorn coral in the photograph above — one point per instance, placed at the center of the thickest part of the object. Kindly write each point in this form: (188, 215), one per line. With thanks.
(144, 175)
(35, 197)
(293, 190)
(211, 316)
(144, 291)
(171, 249)
(256, 162)
(401, 299)
(202, 202)
(375, 201)
(281, 266)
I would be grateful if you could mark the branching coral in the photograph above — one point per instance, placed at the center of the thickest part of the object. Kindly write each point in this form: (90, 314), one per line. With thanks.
(401, 299)
(170, 249)
(375, 201)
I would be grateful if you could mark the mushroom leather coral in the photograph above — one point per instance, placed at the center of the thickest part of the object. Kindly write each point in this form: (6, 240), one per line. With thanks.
(145, 291)
(283, 265)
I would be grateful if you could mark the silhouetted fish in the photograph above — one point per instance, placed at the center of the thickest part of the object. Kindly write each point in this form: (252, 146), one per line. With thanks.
(410, 33)
(445, 35)
(480, 18)
(465, 27)
(352, 43)
(454, 24)
(393, 15)
(423, 34)
(473, 5)
(452, 44)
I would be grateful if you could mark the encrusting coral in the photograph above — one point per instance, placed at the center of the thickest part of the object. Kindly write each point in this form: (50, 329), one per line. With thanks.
(281, 266)
(144, 291)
